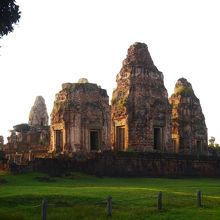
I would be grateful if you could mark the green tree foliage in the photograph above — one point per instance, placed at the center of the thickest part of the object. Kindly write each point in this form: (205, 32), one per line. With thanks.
(212, 142)
(214, 147)
(9, 15)
(22, 127)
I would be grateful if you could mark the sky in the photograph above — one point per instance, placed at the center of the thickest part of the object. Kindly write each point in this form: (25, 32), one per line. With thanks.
(61, 41)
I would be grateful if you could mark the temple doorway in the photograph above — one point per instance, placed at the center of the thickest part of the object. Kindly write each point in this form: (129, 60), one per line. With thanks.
(174, 142)
(199, 147)
(120, 137)
(59, 140)
(158, 138)
(94, 140)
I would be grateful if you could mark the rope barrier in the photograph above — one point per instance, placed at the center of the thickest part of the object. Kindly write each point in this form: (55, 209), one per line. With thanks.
(167, 199)
(30, 207)
(136, 199)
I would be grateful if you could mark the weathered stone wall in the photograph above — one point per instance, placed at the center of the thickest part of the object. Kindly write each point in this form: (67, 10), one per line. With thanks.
(30, 138)
(189, 132)
(25, 154)
(119, 164)
(80, 120)
(141, 113)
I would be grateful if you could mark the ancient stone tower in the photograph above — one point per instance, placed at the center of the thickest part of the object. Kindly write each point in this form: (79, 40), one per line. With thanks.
(80, 119)
(141, 113)
(38, 115)
(189, 132)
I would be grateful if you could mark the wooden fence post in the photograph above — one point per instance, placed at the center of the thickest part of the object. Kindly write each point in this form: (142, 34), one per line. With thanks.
(44, 210)
(109, 206)
(199, 199)
(159, 201)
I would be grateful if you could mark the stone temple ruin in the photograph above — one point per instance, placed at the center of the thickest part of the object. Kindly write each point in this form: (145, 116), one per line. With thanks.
(141, 114)
(80, 119)
(189, 132)
(31, 140)
(140, 118)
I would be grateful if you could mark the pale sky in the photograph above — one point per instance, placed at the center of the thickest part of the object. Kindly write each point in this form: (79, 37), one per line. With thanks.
(61, 41)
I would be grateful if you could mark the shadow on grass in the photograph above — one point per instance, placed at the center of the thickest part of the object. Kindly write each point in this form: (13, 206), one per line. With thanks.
(5, 215)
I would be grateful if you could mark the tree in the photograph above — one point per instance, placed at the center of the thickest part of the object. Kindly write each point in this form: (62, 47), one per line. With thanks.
(214, 148)
(212, 141)
(9, 15)
(22, 127)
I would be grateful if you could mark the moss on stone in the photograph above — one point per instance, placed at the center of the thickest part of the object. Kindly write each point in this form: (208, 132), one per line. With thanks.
(59, 106)
(120, 103)
(181, 90)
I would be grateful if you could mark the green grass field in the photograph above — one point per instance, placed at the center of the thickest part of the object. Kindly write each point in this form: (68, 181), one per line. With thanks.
(84, 197)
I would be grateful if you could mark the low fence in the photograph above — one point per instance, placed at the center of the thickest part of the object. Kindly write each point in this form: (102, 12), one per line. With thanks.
(110, 202)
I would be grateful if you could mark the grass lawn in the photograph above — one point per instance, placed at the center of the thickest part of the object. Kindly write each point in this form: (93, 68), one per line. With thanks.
(84, 197)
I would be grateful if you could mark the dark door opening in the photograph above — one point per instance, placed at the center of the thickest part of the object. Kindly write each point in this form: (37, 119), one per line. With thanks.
(199, 147)
(158, 138)
(59, 140)
(120, 137)
(94, 140)
(174, 146)
(42, 122)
